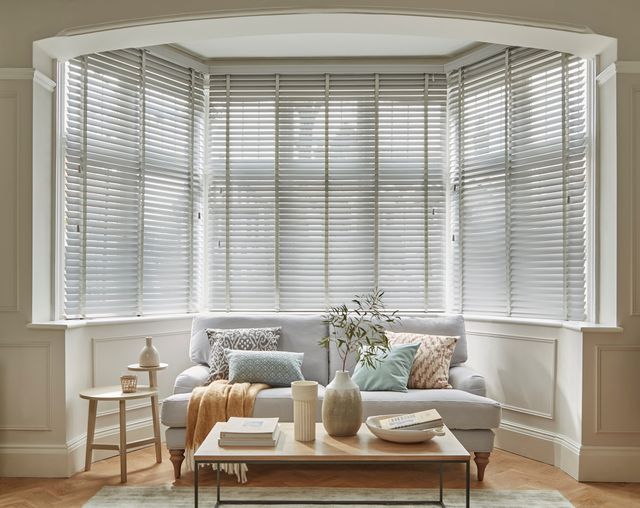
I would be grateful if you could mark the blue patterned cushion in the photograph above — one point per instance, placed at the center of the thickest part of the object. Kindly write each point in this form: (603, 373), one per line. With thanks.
(275, 368)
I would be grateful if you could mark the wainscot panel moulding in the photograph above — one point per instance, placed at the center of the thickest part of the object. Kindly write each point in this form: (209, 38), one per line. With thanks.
(547, 411)
(10, 134)
(20, 73)
(634, 190)
(38, 414)
(621, 361)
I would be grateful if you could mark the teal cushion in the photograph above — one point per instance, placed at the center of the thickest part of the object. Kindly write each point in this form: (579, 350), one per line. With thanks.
(391, 372)
(275, 368)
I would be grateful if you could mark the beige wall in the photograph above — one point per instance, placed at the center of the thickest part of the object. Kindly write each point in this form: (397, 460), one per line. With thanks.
(579, 409)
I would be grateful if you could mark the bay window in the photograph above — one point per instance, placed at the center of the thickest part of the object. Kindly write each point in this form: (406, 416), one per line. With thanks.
(463, 191)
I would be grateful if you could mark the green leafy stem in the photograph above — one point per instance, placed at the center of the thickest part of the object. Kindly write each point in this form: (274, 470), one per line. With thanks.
(361, 329)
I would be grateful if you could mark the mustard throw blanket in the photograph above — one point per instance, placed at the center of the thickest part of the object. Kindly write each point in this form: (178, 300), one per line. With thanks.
(214, 403)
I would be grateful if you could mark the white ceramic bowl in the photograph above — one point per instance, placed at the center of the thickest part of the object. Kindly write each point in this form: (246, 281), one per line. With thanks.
(401, 435)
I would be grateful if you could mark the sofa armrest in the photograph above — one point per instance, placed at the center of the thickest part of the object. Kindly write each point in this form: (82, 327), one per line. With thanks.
(466, 379)
(191, 378)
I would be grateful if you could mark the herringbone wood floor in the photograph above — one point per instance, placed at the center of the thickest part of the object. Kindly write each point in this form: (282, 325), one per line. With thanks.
(505, 471)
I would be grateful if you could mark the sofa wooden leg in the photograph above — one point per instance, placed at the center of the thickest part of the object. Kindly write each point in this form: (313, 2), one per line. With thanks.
(176, 457)
(481, 459)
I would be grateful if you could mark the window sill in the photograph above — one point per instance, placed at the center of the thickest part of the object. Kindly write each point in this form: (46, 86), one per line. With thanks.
(67, 324)
(577, 326)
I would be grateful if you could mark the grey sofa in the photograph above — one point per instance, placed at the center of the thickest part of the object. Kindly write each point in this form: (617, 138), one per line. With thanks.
(465, 409)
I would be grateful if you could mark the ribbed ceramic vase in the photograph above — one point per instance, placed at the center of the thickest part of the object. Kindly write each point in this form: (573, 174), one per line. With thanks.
(342, 406)
(149, 356)
(305, 398)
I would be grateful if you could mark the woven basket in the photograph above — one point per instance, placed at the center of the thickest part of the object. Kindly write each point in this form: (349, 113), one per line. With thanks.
(129, 383)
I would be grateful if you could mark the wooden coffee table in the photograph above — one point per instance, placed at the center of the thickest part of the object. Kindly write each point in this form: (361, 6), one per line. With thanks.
(363, 448)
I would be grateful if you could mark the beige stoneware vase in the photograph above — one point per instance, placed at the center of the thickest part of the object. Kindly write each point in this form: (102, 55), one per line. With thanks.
(342, 406)
(149, 356)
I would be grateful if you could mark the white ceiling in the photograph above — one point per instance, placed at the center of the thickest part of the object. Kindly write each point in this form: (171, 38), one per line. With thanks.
(319, 44)
(322, 34)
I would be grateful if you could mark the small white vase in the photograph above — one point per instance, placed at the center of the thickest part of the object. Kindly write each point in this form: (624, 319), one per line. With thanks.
(342, 406)
(149, 356)
(305, 398)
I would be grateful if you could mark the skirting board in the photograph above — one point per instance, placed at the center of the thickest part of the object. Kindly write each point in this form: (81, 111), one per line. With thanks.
(610, 464)
(583, 462)
(541, 445)
(63, 461)
(36, 461)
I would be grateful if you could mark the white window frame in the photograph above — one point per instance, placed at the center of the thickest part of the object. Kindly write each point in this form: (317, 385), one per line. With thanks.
(592, 172)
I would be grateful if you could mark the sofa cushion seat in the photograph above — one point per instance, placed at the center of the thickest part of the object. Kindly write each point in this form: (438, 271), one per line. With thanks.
(459, 410)
(269, 402)
(278, 402)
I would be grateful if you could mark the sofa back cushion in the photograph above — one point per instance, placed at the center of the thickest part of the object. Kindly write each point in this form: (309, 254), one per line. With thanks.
(300, 333)
(442, 325)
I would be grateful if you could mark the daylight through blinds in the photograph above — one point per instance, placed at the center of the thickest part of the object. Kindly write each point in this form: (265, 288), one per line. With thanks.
(459, 192)
(323, 186)
(133, 185)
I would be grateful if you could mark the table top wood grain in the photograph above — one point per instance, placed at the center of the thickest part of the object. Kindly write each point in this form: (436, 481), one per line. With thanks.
(363, 447)
(136, 367)
(115, 393)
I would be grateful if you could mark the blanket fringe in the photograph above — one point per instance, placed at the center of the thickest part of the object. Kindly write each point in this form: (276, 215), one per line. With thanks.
(239, 470)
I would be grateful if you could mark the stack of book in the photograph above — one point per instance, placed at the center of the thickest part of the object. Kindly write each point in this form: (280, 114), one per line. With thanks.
(249, 432)
(429, 419)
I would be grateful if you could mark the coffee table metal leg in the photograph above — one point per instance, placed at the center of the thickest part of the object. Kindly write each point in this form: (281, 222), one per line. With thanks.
(195, 485)
(217, 484)
(441, 482)
(468, 485)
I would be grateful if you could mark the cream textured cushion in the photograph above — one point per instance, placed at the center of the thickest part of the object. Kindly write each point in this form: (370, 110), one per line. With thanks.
(431, 364)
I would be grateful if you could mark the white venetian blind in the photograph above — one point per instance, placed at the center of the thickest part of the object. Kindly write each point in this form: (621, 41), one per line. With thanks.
(130, 175)
(577, 139)
(518, 184)
(173, 129)
(104, 186)
(411, 192)
(536, 182)
(242, 191)
(482, 207)
(302, 192)
(351, 190)
(74, 142)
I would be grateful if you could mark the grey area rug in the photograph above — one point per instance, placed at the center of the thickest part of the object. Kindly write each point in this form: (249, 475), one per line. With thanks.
(170, 496)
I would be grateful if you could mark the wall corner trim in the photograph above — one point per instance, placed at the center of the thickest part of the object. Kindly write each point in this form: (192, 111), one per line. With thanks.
(620, 67)
(26, 73)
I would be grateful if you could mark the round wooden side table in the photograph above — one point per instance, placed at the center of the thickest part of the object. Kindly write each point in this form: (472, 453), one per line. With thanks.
(112, 394)
(153, 383)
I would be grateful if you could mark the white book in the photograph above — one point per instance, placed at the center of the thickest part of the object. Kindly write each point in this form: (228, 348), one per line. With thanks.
(250, 428)
(230, 441)
(423, 419)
